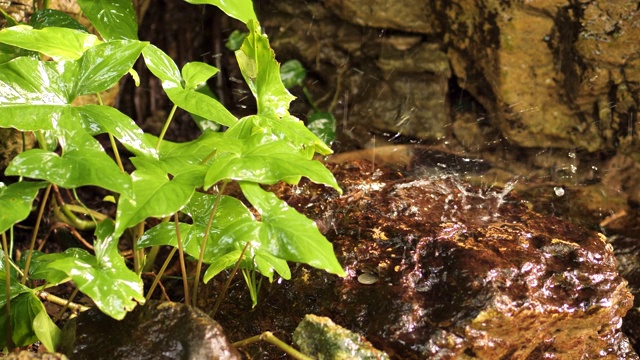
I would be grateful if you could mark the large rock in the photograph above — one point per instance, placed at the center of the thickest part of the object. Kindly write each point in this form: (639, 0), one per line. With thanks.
(153, 331)
(440, 270)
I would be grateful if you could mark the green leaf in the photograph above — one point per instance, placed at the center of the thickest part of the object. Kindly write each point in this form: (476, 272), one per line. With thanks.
(45, 329)
(54, 18)
(205, 124)
(238, 9)
(10, 20)
(165, 69)
(323, 125)
(288, 234)
(82, 163)
(35, 94)
(29, 319)
(195, 73)
(236, 38)
(231, 228)
(16, 201)
(57, 42)
(39, 268)
(114, 19)
(105, 277)
(201, 104)
(9, 52)
(104, 65)
(261, 71)
(154, 194)
(292, 73)
(162, 66)
(186, 156)
(98, 119)
(266, 160)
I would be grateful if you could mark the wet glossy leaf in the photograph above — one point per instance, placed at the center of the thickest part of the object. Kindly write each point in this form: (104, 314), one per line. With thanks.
(50, 17)
(323, 124)
(266, 160)
(75, 168)
(292, 73)
(165, 69)
(9, 52)
(180, 157)
(238, 9)
(261, 71)
(162, 66)
(51, 86)
(236, 38)
(16, 201)
(104, 65)
(98, 119)
(59, 43)
(290, 235)
(105, 277)
(202, 105)
(288, 128)
(205, 124)
(154, 194)
(233, 225)
(195, 73)
(114, 19)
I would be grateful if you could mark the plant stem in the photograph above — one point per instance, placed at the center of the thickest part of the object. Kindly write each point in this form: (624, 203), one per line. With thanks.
(228, 284)
(159, 275)
(183, 268)
(9, 339)
(112, 140)
(35, 234)
(270, 338)
(60, 301)
(166, 126)
(204, 244)
(138, 255)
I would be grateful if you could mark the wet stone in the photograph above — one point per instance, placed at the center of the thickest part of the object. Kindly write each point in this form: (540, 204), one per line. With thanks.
(321, 338)
(462, 273)
(153, 331)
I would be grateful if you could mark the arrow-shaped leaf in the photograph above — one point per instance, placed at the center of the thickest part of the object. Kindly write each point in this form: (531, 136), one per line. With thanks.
(105, 277)
(288, 234)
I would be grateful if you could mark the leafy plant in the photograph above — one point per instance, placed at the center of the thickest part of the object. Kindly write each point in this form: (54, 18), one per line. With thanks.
(50, 63)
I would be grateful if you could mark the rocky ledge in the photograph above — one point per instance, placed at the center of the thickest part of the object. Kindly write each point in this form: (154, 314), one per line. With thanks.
(440, 270)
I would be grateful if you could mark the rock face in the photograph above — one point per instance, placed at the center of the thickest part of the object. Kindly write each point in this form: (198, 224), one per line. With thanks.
(439, 270)
(558, 74)
(153, 331)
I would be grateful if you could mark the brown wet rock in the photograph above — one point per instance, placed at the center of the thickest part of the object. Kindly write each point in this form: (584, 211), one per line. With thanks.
(627, 252)
(453, 272)
(153, 331)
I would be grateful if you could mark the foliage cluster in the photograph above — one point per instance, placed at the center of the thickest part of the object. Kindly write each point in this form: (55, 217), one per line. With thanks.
(45, 66)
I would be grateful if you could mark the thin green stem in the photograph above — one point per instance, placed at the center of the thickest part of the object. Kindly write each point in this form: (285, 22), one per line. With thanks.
(272, 339)
(204, 245)
(138, 255)
(166, 126)
(209, 157)
(159, 275)
(183, 268)
(34, 236)
(307, 94)
(9, 339)
(112, 140)
(66, 305)
(228, 284)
